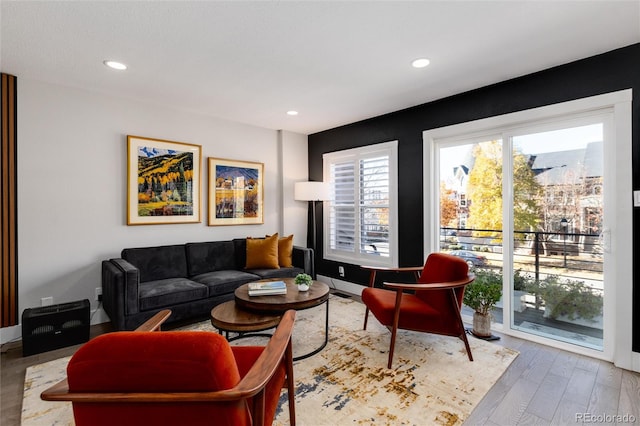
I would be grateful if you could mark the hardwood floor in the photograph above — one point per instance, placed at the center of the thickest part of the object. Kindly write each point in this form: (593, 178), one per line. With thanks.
(543, 386)
(13, 367)
(548, 386)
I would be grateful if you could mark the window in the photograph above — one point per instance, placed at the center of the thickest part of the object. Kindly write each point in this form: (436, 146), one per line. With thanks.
(360, 221)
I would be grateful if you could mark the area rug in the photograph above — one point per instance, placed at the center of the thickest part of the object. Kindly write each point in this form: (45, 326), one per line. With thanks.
(431, 382)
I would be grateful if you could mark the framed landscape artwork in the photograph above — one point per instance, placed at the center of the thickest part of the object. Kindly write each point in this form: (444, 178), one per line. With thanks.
(235, 192)
(163, 181)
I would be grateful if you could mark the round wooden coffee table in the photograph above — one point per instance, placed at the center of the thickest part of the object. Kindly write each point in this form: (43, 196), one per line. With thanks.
(249, 314)
(317, 294)
(228, 318)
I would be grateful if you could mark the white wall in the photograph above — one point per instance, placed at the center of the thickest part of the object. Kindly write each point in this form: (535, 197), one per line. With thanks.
(294, 159)
(72, 185)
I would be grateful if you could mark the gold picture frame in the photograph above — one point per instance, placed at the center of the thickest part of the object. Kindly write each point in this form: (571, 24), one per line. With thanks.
(163, 181)
(236, 190)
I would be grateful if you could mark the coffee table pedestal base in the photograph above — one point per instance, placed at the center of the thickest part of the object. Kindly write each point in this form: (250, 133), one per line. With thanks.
(229, 318)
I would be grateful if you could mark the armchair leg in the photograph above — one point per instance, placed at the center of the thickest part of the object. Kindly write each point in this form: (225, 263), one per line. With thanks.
(394, 330)
(392, 346)
(290, 384)
(463, 333)
(466, 345)
(372, 284)
(366, 317)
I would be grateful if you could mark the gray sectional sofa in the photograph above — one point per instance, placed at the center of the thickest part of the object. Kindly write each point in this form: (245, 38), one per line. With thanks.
(190, 279)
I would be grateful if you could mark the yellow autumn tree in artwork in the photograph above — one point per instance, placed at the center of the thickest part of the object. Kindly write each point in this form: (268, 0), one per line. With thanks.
(165, 184)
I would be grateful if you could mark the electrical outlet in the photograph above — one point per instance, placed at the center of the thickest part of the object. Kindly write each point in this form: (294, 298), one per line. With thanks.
(341, 271)
(98, 294)
(46, 301)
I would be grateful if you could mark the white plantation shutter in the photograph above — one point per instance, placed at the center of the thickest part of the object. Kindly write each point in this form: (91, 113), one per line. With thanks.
(342, 211)
(359, 219)
(374, 205)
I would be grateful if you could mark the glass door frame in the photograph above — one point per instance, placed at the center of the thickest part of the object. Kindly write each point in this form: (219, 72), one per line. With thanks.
(617, 152)
(601, 116)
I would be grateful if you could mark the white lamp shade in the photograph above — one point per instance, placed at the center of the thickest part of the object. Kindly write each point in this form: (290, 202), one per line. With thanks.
(311, 191)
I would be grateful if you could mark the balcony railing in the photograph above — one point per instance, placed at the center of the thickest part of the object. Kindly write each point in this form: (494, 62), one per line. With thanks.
(558, 279)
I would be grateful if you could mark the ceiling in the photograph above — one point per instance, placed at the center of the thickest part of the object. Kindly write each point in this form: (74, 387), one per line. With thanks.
(334, 62)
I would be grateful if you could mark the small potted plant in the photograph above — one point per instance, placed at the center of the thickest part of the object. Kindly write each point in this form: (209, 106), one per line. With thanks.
(482, 295)
(303, 281)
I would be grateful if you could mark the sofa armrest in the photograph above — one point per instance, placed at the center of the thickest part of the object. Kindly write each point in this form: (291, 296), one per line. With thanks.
(303, 257)
(120, 283)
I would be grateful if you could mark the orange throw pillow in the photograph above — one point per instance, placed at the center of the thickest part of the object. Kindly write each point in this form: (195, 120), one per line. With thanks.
(262, 253)
(285, 252)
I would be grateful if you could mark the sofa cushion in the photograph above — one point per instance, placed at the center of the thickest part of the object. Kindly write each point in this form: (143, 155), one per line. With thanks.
(210, 256)
(240, 245)
(277, 273)
(223, 282)
(262, 253)
(162, 293)
(158, 263)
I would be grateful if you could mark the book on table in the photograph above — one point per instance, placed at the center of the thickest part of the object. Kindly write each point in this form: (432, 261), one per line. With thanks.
(267, 288)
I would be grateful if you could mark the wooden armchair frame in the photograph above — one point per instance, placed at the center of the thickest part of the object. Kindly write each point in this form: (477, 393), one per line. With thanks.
(155, 322)
(400, 288)
(252, 385)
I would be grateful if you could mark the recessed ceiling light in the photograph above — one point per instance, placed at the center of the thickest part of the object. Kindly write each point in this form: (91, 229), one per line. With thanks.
(115, 65)
(420, 63)
(292, 112)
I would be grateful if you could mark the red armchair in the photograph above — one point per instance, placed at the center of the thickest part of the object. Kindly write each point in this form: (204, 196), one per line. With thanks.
(433, 306)
(178, 378)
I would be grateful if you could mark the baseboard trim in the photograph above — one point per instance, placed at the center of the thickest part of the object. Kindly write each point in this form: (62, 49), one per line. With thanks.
(341, 285)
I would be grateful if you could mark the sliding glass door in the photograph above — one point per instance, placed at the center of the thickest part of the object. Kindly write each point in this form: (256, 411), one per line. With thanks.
(558, 259)
(524, 206)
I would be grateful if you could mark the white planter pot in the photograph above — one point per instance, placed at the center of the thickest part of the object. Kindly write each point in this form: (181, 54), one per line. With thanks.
(482, 324)
(303, 287)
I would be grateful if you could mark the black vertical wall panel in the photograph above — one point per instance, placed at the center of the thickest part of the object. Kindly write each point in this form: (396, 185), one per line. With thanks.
(609, 72)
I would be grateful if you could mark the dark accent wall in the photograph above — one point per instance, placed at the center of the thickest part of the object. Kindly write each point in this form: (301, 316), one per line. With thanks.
(609, 72)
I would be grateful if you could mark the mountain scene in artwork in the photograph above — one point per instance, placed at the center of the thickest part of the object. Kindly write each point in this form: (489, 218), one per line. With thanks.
(237, 192)
(165, 182)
